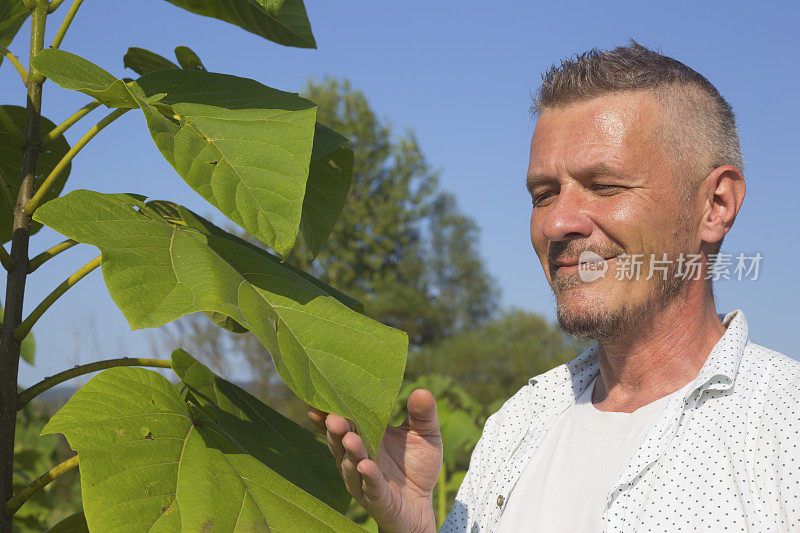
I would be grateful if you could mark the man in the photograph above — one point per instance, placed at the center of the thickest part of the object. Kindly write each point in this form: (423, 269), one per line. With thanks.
(673, 420)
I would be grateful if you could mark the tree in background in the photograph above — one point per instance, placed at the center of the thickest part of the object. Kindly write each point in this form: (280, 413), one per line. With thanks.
(492, 362)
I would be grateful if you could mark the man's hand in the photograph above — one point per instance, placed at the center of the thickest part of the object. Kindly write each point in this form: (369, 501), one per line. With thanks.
(397, 488)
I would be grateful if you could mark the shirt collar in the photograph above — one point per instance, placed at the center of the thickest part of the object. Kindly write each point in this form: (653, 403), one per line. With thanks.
(718, 372)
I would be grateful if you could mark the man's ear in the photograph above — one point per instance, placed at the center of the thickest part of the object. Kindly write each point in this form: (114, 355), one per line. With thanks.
(723, 190)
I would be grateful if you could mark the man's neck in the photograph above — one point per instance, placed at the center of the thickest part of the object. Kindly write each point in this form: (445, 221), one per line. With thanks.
(658, 357)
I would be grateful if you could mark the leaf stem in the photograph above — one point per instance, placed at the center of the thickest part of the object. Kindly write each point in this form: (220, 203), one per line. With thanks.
(5, 258)
(64, 126)
(31, 206)
(30, 393)
(17, 64)
(51, 252)
(53, 5)
(25, 327)
(12, 128)
(13, 505)
(62, 31)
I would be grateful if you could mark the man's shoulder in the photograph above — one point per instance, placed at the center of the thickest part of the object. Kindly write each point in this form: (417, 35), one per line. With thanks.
(773, 366)
(514, 415)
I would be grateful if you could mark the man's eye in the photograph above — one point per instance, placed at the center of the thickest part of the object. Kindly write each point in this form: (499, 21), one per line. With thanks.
(604, 187)
(538, 199)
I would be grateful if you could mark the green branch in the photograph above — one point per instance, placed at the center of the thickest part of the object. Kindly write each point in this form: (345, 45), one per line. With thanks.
(64, 126)
(51, 252)
(31, 206)
(17, 64)
(62, 31)
(30, 393)
(13, 505)
(23, 329)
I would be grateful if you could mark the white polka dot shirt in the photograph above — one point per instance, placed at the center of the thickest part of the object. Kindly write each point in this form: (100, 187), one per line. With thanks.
(723, 456)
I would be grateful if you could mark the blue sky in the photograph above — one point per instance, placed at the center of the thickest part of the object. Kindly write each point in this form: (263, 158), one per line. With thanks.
(460, 74)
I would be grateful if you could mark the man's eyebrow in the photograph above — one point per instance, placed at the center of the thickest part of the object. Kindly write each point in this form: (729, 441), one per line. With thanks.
(600, 168)
(532, 180)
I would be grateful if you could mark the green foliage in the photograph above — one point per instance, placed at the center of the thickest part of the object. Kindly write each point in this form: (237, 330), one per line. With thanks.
(13, 14)
(154, 460)
(143, 61)
(492, 362)
(34, 455)
(157, 271)
(293, 452)
(154, 456)
(188, 59)
(11, 162)
(282, 21)
(401, 245)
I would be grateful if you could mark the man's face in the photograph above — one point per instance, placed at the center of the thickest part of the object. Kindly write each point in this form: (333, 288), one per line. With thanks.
(600, 181)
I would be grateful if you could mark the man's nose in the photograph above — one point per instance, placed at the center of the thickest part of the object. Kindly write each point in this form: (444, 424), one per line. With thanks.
(566, 216)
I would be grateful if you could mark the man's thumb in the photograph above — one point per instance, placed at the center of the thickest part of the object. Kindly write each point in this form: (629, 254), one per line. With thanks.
(422, 417)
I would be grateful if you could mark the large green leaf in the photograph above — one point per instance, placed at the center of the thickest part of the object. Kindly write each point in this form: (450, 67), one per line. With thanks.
(329, 179)
(288, 449)
(282, 21)
(143, 61)
(11, 164)
(150, 462)
(243, 146)
(331, 356)
(13, 14)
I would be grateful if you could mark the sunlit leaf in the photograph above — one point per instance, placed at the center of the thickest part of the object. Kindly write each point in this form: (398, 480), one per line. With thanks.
(150, 462)
(333, 357)
(244, 147)
(273, 439)
(282, 21)
(11, 165)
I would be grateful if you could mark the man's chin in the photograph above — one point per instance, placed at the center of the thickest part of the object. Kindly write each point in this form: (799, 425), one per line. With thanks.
(585, 319)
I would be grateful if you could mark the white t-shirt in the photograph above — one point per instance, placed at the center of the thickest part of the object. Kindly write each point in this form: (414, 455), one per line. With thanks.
(566, 484)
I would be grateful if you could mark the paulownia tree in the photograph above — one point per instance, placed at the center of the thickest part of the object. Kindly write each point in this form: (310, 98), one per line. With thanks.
(201, 455)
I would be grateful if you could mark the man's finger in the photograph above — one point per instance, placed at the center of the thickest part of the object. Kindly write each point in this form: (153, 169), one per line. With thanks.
(337, 427)
(317, 418)
(354, 452)
(352, 478)
(422, 417)
(376, 492)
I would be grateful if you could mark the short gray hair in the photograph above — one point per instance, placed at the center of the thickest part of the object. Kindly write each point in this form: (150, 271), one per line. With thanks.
(705, 137)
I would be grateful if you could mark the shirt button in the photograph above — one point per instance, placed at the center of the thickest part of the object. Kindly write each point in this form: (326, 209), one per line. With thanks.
(500, 500)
